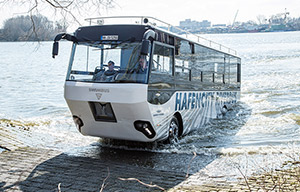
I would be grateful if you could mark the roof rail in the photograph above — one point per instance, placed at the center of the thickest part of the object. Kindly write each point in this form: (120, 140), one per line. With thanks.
(147, 20)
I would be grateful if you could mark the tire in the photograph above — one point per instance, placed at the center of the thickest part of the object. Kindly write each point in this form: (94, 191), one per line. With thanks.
(224, 110)
(173, 130)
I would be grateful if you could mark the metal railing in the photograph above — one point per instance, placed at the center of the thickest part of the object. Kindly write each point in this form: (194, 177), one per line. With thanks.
(147, 20)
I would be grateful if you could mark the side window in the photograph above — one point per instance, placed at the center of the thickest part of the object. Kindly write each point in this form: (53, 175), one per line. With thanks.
(183, 61)
(161, 82)
(219, 68)
(162, 59)
(182, 69)
(234, 70)
(210, 66)
(239, 71)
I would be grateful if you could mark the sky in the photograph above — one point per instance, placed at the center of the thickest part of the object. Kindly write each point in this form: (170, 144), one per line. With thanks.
(216, 11)
(173, 11)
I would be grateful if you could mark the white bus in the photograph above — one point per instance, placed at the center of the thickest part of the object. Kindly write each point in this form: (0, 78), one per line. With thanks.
(141, 82)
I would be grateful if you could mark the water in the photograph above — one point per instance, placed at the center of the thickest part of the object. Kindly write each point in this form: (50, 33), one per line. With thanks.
(263, 129)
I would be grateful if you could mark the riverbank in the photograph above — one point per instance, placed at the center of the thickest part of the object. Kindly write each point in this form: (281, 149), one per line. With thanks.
(26, 168)
(276, 180)
(31, 169)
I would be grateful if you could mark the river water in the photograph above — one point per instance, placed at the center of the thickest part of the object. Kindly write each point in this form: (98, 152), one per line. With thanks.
(263, 129)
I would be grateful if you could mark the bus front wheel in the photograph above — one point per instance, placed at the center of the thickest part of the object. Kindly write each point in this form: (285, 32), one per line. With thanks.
(173, 130)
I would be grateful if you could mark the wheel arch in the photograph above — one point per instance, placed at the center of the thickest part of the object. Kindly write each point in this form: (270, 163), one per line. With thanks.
(179, 118)
(225, 106)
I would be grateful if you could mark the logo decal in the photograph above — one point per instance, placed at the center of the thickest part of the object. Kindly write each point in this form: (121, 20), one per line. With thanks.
(98, 95)
(194, 100)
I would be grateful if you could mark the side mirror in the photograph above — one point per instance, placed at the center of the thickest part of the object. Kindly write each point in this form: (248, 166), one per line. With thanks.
(55, 49)
(145, 47)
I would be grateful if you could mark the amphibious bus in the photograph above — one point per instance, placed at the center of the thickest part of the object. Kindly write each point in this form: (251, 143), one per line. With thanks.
(145, 80)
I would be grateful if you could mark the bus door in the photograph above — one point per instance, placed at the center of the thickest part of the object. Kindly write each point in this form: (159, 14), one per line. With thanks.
(161, 78)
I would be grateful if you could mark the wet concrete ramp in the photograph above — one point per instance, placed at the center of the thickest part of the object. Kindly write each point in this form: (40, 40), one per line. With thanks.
(32, 169)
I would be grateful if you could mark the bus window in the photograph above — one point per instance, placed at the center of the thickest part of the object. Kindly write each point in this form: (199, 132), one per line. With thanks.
(182, 70)
(183, 62)
(219, 68)
(233, 71)
(162, 59)
(90, 63)
(227, 69)
(85, 61)
(161, 81)
(239, 71)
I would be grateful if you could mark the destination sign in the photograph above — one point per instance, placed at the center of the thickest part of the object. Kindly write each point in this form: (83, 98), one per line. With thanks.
(109, 37)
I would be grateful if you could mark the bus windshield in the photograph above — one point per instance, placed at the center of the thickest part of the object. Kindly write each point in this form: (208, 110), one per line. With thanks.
(108, 63)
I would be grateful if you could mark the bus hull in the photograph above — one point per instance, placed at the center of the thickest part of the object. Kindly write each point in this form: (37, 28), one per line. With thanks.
(129, 104)
(195, 108)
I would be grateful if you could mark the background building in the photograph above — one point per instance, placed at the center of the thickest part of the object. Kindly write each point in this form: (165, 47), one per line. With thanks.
(190, 25)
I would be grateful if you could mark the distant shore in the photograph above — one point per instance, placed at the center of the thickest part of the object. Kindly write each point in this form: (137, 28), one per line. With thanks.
(198, 33)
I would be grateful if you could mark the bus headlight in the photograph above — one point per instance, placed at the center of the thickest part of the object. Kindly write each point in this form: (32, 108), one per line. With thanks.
(78, 122)
(145, 127)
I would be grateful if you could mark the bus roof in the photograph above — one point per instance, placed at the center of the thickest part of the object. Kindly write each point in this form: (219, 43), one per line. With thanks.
(140, 23)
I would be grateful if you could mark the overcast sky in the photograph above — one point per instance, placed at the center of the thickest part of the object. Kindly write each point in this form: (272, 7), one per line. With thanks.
(173, 11)
(216, 11)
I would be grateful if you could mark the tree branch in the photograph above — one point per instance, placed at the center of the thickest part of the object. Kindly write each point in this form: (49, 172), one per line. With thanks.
(245, 178)
(103, 183)
(33, 27)
(58, 187)
(187, 172)
(148, 185)
(72, 12)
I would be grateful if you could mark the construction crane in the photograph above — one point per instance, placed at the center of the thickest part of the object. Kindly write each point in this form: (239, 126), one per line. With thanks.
(280, 18)
(234, 18)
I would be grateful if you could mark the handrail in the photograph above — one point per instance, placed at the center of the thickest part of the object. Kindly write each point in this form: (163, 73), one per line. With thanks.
(145, 20)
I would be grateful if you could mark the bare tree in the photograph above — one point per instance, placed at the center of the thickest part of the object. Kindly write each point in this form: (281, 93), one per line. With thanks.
(261, 19)
(20, 29)
(70, 11)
